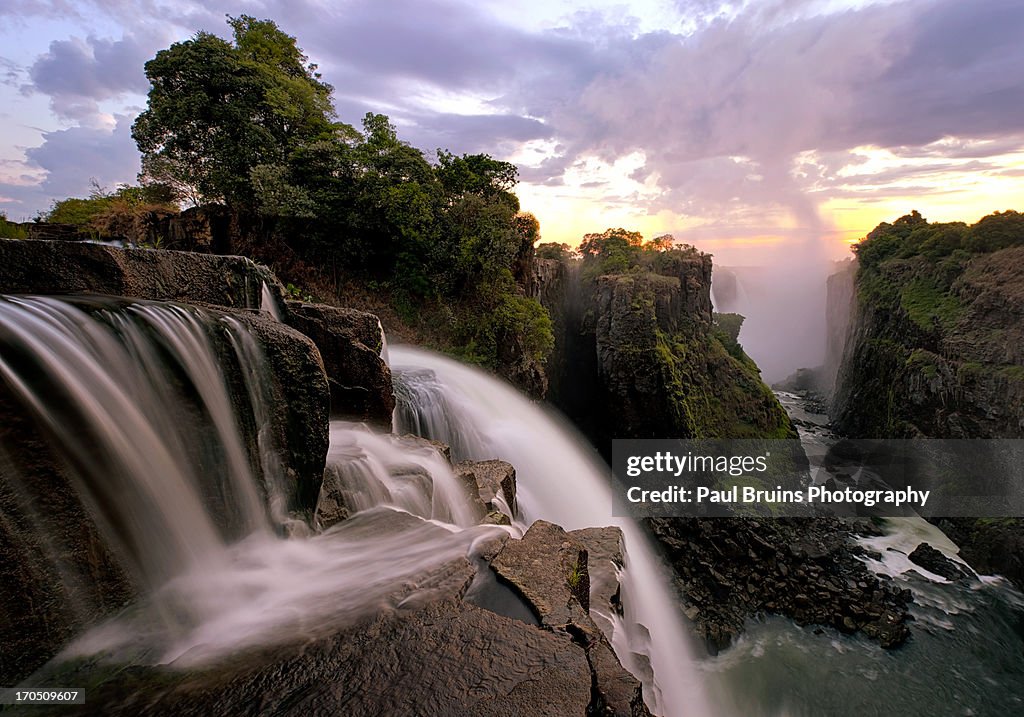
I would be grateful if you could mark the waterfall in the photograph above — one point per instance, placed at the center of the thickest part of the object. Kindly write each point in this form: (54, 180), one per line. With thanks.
(268, 302)
(123, 393)
(137, 399)
(558, 479)
(161, 417)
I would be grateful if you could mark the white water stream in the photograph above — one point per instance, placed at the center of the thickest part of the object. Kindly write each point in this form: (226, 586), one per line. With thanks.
(560, 480)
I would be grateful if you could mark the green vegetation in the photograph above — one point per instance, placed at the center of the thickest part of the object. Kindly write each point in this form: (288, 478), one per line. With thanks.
(927, 303)
(933, 340)
(618, 251)
(104, 213)
(10, 230)
(250, 124)
(576, 574)
(913, 236)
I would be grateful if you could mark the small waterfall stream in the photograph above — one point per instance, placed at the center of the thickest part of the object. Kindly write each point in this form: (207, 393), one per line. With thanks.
(560, 480)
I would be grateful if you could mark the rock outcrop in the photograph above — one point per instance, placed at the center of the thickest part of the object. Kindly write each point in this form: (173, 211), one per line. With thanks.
(732, 569)
(934, 561)
(643, 357)
(439, 656)
(487, 480)
(66, 268)
(549, 568)
(350, 343)
(935, 348)
(992, 546)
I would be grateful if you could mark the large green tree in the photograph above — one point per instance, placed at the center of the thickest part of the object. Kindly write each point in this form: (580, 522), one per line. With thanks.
(222, 114)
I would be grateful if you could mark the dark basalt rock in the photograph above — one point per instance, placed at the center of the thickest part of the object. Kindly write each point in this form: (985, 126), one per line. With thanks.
(63, 268)
(487, 479)
(549, 569)
(934, 561)
(732, 569)
(350, 342)
(56, 571)
(990, 546)
(435, 654)
(300, 418)
(445, 658)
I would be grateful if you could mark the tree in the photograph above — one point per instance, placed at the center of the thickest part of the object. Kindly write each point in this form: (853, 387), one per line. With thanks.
(217, 110)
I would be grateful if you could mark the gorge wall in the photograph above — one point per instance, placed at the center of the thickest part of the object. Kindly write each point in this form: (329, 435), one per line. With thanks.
(641, 354)
(934, 348)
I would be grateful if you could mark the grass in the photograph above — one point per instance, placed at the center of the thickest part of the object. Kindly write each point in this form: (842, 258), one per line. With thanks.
(11, 230)
(927, 304)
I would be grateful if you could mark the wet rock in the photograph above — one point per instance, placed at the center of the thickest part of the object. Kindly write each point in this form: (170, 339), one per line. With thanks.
(804, 568)
(350, 343)
(934, 561)
(413, 441)
(991, 547)
(445, 658)
(488, 479)
(300, 405)
(57, 573)
(63, 268)
(61, 572)
(549, 569)
(604, 559)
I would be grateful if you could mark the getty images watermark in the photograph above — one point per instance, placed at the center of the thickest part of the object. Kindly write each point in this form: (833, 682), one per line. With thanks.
(783, 478)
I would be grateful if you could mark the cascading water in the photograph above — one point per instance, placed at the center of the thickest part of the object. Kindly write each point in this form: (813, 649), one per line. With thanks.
(110, 387)
(133, 396)
(560, 480)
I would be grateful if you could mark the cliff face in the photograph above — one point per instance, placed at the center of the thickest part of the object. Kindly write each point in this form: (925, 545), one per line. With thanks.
(936, 349)
(839, 310)
(640, 355)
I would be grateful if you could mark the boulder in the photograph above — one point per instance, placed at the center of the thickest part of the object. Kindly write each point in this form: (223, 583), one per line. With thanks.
(350, 342)
(414, 441)
(991, 547)
(934, 561)
(604, 560)
(63, 268)
(549, 569)
(488, 479)
(299, 402)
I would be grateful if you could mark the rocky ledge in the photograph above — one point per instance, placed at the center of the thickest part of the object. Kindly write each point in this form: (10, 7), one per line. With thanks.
(732, 569)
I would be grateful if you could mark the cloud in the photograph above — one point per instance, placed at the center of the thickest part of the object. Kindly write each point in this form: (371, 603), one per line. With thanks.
(78, 73)
(73, 157)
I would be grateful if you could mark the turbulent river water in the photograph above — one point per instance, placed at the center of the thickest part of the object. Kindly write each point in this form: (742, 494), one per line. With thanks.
(965, 655)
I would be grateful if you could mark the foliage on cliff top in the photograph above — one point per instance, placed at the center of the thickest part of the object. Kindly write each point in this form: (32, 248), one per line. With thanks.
(912, 235)
(249, 123)
(619, 251)
(912, 265)
(103, 207)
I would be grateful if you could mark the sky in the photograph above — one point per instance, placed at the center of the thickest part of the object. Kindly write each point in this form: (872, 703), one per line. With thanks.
(761, 131)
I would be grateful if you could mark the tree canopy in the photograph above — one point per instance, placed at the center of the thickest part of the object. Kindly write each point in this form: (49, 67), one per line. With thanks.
(250, 123)
(218, 110)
